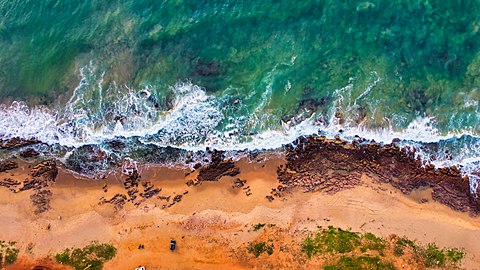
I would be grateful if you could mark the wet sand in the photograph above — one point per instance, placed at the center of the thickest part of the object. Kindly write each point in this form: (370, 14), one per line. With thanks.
(213, 221)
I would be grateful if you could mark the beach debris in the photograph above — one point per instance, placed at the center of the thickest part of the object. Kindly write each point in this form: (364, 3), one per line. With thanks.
(8, 165)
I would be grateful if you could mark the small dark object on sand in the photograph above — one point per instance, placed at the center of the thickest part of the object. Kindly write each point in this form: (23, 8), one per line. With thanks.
(173, 244)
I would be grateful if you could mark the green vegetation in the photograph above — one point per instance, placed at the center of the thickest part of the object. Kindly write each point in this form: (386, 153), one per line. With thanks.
(433, 256)
(398, 251)
(331, 240)
(360, 263)
(436, 257)
(258, 248)
(258, 226)
(373, 242)
(368, 251)
(92, 256)
(8, 253)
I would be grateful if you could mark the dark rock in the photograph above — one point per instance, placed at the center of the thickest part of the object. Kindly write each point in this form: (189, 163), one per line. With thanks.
(238, 183)
(17, 142)
(118, 201)
(9, 183)
(177, 198)
(8, 165)
(319, 164)
(28, 153)
(197, 166)
(217, 168)
(47, 169)
(41, 200)
(35, 184)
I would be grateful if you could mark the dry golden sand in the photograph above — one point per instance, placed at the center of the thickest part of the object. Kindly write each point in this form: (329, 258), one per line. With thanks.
(214, 219)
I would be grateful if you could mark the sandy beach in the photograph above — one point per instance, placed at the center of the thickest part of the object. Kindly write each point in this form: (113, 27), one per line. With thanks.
(213, 221)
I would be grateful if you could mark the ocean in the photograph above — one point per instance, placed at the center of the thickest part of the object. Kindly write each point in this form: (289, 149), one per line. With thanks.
(165, 79)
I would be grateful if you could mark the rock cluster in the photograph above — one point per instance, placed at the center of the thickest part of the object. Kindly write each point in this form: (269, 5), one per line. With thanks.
(28, 153)
(42, 175)
(217, 168)
(319, 164)
(46, 169)
(131, 183)
(16, 142)
(8, 165)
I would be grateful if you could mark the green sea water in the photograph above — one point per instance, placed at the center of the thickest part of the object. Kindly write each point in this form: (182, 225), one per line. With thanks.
(376, 64)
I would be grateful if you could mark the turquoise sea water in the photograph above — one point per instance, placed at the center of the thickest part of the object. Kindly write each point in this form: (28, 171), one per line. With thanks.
(242, 74)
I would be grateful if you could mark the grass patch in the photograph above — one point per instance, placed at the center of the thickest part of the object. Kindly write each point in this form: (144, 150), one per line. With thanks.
(405, 242)
(363, 251)
(454, 255)
(8, 253)
(331, 240)
(258, 248)
(373, 242)
(398, 251)
(436, 257)
(91, 257)
(258, 226)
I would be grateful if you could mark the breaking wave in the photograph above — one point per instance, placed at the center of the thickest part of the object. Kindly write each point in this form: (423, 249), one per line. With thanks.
(193, 120)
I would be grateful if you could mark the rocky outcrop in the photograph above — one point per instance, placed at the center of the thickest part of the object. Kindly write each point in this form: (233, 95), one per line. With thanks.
(217, 168)
(28, 153)
(17, 142)
(319, 164)
(8, 165)
(46, 169)
(41, 175)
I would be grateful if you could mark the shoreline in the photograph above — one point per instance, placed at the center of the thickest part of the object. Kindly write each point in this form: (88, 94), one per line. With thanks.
(218, 215)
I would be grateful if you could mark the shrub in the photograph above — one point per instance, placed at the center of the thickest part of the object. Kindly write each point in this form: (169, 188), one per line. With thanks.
(260, 247)
(258, 226)
(92, 256)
